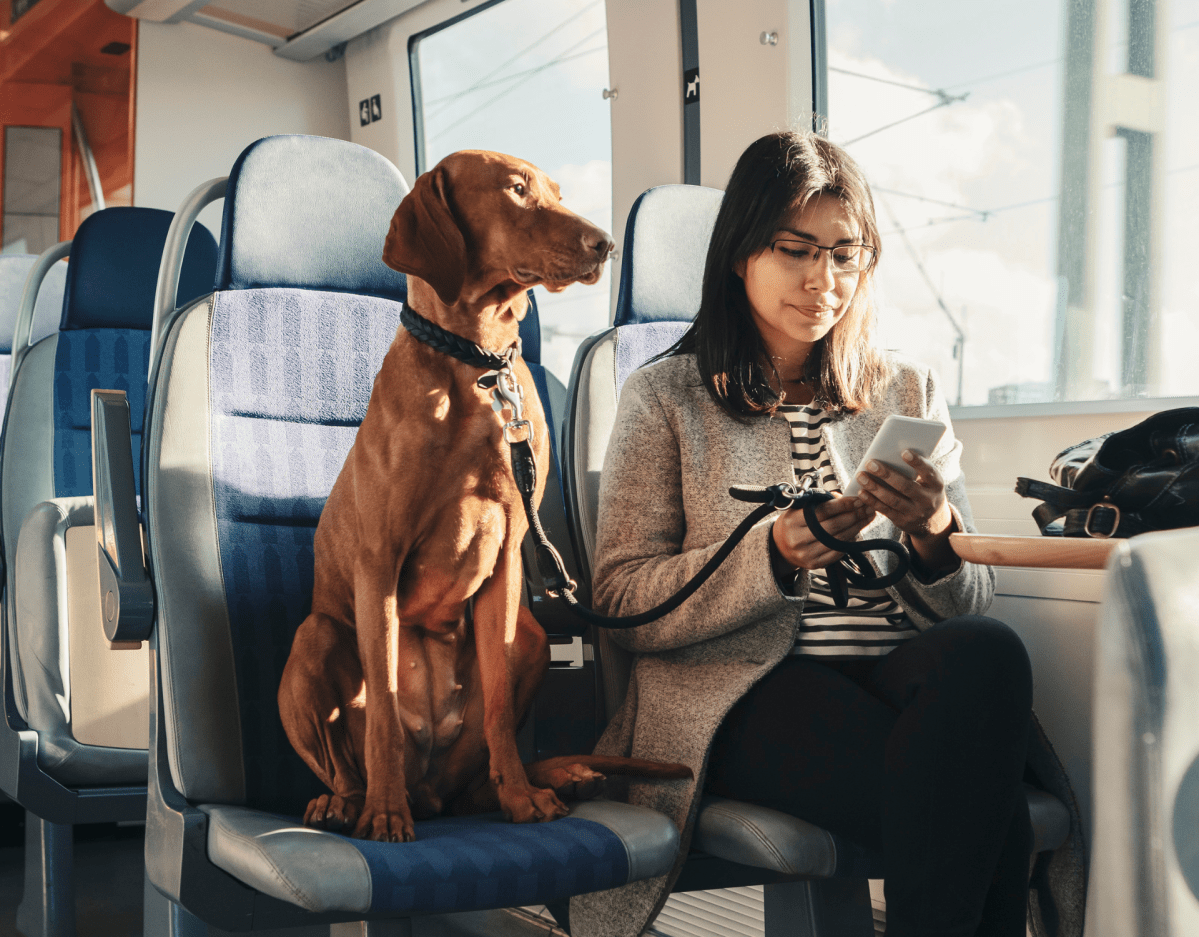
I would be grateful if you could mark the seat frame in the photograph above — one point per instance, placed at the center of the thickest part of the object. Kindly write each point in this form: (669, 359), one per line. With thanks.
(51, 808)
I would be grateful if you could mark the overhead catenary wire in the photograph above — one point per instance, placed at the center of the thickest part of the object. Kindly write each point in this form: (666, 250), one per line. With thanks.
(529, 48)
(550, 64)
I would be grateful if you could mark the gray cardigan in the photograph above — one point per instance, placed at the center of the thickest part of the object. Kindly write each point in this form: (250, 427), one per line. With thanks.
(663, 511)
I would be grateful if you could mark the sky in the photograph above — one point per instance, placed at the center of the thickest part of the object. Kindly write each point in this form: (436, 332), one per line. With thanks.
(559, 55)
(972, 183)
(997, 151)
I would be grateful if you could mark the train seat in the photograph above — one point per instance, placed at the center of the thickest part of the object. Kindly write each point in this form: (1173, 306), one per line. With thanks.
(14, 271)
(258, 396)
(666, 242)
(73, 738)
(1145, 864)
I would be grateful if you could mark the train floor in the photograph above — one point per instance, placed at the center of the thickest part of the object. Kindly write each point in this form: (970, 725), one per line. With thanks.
(108, 885)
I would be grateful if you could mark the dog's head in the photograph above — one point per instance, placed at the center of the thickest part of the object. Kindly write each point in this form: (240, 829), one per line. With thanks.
(479, 223)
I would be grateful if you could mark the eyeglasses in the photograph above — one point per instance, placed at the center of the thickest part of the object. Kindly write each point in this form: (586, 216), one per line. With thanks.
(801, 256)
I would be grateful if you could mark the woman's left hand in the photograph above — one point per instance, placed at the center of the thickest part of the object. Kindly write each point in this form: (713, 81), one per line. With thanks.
(916, 506)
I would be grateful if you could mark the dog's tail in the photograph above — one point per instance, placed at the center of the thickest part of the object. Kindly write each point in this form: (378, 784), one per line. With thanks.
(632, 767)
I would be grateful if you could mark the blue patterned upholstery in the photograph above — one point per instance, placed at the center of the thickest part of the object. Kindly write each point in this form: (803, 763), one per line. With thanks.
(291, 373)
(472, 863)
(665, 248)
(636, 344)
(86, 359)
(104, 336)
(324, 234)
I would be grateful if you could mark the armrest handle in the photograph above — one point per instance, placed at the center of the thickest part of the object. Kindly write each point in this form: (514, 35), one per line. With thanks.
(126, 595)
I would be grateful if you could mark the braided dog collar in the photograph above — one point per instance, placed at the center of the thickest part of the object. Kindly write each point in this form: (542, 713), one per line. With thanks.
(437, 338)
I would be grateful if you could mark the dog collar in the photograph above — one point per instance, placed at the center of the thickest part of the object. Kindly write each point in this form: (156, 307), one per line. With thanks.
(506, 391)
(466, 351)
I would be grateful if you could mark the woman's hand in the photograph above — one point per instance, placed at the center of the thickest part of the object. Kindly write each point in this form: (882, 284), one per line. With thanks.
(916, 506)
(844, 518)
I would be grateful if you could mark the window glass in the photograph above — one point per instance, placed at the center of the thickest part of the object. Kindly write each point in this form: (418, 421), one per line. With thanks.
(32, 160)
(541, 101)
(1035, 178)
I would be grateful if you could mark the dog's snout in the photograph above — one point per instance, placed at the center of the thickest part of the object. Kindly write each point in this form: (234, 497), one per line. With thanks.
(600, 243)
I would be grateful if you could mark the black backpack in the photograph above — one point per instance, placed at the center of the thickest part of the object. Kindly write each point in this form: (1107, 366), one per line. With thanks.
(1126, 483)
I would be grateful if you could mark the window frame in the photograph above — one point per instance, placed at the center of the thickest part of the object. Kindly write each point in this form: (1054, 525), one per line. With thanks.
(414, 83)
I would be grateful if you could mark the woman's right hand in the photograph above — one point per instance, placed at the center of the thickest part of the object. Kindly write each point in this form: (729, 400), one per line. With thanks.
(843, 517)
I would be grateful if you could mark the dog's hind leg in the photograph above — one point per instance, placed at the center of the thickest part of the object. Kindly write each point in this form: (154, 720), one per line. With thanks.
(322, 698)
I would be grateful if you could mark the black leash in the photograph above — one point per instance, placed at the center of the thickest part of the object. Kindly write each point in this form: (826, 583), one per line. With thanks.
(854, 569)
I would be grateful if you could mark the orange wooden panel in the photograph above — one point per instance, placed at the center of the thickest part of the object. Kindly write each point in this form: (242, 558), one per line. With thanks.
(58, 44)
(1043, 552)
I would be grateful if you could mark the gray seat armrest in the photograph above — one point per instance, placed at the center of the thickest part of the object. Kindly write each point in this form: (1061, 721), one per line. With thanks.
(313, 869)
(1050, 820)
(763, 838)
(650, 839)
(126, 596)
(770, 839)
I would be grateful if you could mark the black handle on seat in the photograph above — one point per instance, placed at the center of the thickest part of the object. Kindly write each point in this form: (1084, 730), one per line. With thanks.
(126, 594)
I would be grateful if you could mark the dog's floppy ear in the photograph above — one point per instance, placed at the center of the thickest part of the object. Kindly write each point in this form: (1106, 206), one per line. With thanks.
(424, 239)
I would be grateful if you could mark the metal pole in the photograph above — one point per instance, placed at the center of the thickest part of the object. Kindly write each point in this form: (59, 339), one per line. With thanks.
(90, 172)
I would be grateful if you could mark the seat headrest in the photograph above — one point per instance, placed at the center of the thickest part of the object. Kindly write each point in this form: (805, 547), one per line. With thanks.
(310, 213)
(530, 333)
(113, 269)
(14, 268)
(665, 248)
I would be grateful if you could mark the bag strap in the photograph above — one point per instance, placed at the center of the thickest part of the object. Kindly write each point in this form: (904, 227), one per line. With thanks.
(1058, 501)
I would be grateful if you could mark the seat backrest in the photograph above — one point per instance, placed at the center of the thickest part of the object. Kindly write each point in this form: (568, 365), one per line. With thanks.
(665, 247)
(14, 269)
(101, 340)
(259, 394)
(1145, 861)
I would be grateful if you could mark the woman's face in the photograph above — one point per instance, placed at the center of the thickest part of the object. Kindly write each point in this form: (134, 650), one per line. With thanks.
(795, 305)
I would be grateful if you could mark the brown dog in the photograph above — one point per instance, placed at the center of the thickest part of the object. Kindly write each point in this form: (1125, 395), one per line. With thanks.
(406, 683)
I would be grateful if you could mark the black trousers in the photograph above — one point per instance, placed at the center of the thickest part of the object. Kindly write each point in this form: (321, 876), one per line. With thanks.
(919, 755)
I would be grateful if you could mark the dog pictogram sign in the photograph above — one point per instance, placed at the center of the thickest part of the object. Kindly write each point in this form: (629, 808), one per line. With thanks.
(691, 86)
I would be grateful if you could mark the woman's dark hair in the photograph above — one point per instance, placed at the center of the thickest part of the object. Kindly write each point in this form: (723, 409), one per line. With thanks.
(777, 175)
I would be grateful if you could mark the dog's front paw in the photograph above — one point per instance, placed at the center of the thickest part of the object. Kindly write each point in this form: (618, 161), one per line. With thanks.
(334, 812)
(570, 782)
(386, 826)
(530, 805)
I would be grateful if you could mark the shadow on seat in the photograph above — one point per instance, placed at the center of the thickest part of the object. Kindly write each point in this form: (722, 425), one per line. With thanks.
(813, 878)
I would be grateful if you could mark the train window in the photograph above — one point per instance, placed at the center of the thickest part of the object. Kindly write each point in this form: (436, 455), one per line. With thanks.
(1036, 182)
(32, 182)
(542, 101)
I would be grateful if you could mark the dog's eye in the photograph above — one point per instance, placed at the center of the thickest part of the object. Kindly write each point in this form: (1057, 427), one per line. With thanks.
(519, 189)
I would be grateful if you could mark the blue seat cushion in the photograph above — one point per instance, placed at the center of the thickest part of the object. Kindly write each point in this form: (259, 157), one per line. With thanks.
(87, 359)
(470, 863)
(455, 864)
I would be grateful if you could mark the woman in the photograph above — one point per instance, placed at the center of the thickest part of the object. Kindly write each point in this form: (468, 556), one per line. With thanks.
(900, 722)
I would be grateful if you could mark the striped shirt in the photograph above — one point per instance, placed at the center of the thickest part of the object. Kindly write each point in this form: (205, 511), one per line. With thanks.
(873, 624)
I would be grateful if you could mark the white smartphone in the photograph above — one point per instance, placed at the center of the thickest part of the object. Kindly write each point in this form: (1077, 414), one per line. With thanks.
(895, 435)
